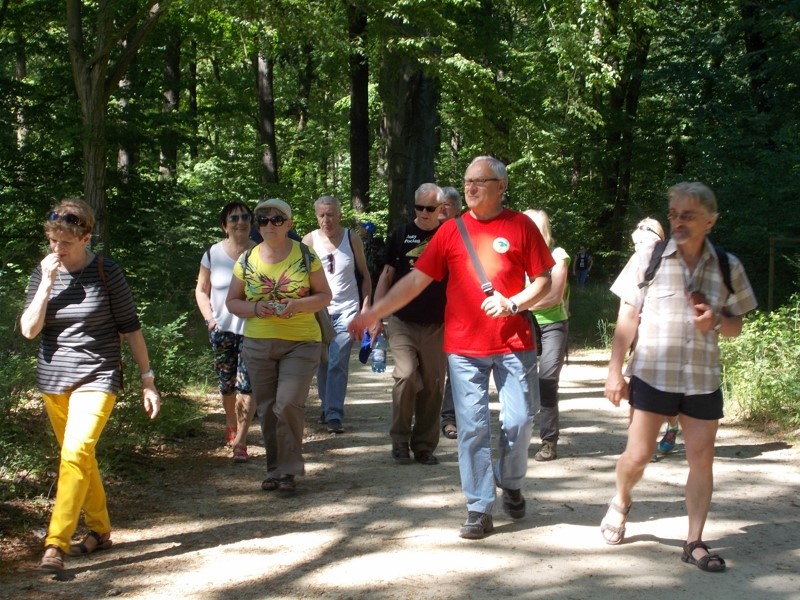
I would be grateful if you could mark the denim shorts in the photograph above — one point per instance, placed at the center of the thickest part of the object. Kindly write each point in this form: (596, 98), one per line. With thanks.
(707, 407)
(229, 362)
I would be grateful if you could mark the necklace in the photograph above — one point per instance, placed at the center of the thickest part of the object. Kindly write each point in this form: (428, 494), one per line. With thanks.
(74, 280)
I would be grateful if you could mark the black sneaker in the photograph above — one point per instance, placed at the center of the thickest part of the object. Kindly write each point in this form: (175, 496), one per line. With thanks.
(426, 458)
(477, 526)
(335, 426)
(401, 453)
(513, 503)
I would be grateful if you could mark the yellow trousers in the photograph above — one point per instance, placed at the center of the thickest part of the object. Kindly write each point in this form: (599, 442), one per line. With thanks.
(78, 420)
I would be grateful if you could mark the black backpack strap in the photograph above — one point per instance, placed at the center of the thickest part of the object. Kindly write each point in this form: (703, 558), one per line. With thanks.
(724, 267)
(306, 257)
(655, 263)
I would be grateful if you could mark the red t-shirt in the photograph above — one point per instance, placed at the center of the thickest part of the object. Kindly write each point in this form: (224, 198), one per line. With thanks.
(508, 246)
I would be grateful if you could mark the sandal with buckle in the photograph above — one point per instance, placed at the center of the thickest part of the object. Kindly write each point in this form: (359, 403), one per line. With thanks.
(54, 564)
(450, 431)
(617, 532)
(702, 562)
(286, 483)
(270, 484)
(101, 542)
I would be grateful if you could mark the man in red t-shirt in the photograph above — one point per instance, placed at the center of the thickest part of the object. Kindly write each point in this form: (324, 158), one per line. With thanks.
(484, 335)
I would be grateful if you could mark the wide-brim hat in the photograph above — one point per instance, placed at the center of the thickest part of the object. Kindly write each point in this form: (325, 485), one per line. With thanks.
(276, 204)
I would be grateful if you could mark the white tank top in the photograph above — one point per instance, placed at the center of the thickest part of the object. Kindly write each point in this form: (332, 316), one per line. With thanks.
(342, 280)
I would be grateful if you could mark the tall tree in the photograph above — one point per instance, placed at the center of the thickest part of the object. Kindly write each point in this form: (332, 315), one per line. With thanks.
(97, 72)
(359, 109)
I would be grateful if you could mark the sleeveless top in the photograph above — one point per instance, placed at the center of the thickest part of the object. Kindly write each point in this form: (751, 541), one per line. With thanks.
(340, 270)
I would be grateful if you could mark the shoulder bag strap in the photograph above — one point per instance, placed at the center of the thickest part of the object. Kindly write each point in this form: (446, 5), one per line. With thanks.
(486, 285)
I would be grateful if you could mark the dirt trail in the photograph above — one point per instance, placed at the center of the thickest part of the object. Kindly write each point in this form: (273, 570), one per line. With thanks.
(360, 526)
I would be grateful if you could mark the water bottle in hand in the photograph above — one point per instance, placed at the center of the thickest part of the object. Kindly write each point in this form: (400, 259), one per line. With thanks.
(379, 354)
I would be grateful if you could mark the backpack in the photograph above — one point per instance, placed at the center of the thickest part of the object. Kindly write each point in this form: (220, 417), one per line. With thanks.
(658, 251)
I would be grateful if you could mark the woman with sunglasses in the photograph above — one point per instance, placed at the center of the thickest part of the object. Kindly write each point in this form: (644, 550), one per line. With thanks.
(81, 304)
(277, 287)
(225, 331)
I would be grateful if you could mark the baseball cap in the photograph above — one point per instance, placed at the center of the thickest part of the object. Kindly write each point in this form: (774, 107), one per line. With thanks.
(276, 204)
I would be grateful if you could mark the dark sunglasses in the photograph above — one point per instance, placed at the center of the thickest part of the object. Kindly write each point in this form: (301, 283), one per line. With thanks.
(66, 218)
(246, 218)
(420, 207)
(277, 220)
(331, 264)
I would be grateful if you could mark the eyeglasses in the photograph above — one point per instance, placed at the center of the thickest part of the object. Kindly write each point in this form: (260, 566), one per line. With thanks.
(420, 208)
(331, 263)
(687, 216)
(66, 218)
(246, 218)
(480, 181)
(277, 220)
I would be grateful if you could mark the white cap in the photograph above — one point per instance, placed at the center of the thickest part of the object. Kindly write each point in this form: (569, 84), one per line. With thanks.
(277, 204)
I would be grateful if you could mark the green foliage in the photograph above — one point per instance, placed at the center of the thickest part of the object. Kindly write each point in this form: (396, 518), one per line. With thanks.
(593, 312)
(760, 376)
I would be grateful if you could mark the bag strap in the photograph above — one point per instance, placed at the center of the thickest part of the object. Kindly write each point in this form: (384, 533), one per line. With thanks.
(658, 252)
(486, 285)
(306, 258)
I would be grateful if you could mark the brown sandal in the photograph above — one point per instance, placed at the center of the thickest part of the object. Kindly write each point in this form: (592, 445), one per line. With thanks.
(617, 532)
(54, 564)
(101, 542)
(702, 562)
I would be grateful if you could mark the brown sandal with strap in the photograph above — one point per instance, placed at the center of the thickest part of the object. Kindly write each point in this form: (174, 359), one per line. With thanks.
(54, 564)
(702, 562)
(617, 532)
(101, 542)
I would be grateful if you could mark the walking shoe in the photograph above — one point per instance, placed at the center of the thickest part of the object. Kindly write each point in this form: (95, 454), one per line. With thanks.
(426, 458)
(546, 452)
(240, 453)
(667, 443)
(513, 503)
(477, 526)
(335, 426)
(401, 453)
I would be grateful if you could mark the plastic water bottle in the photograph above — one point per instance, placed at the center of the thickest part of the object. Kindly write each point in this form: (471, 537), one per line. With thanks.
(379, 354)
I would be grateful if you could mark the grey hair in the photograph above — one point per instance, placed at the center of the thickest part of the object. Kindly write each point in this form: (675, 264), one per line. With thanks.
(427, 188)
(328, 201)
(451, 193)
(696, 191)
(497, 166)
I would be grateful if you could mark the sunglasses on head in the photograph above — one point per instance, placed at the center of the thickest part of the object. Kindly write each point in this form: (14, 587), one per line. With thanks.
(277, 220)
(246, 218)
(421, 207)
(331, 264)
(66, 218)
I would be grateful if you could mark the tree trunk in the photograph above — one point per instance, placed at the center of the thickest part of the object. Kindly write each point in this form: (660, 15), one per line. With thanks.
(410, 100)
(193, 151)
(168, 162)
(266, 118)
(757, 57)
(359, 111)
(95, 76)
(20, 72)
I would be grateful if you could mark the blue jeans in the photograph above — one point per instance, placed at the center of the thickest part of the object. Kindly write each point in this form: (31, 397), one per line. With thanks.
(332, 375)
(517, 383)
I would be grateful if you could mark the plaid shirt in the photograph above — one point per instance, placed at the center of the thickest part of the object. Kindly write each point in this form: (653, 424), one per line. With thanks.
(671, 354)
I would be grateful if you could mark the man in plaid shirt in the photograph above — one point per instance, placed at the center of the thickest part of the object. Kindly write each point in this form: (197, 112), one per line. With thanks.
(676, 321)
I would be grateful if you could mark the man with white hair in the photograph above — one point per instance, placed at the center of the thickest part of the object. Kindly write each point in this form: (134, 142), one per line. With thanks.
(486, 333)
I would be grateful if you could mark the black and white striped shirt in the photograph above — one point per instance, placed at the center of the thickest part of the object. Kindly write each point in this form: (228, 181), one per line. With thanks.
(80, 347)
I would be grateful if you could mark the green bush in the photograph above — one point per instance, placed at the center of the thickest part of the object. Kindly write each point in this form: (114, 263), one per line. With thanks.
(593, 312)
(760, 376)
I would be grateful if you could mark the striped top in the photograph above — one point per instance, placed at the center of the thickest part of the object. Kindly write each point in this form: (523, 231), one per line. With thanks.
(79, 346)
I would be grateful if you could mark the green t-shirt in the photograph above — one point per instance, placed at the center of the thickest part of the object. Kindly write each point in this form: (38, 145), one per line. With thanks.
(557, 312)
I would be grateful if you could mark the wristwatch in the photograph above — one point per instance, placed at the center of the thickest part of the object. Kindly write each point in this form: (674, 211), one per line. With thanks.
(512, 307)
(148, 374)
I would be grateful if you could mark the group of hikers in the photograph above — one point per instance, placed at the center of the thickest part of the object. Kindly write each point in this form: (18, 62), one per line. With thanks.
(462, 296)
